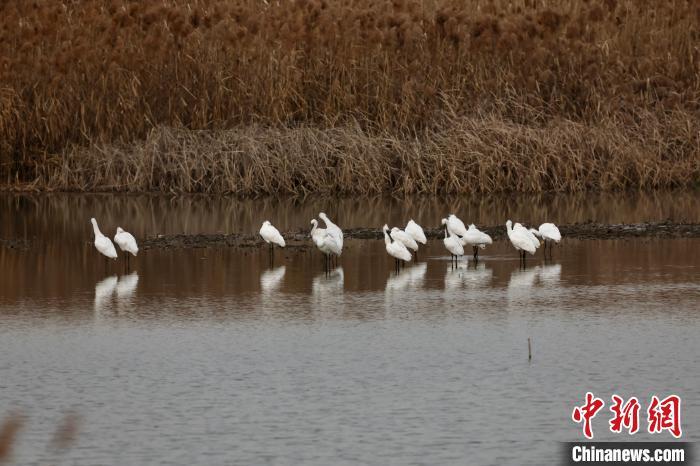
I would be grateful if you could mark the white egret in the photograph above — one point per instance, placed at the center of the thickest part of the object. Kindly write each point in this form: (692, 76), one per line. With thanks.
(395, 249)
(272, 236)
(453, 243)
(416, 232)
(317, 234)
(455, 225)
(332, 227)
(548, 232)
(102, 243)
(330, 243)
(520, 240)
(397, 234)
(476, 239)
(529, 233)
(127, 243)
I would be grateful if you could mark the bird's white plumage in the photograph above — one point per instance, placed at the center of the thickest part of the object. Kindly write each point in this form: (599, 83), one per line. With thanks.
(333, 242)
(416, 232)
(332, 227)
(528, 232)
(395, 249)
(271, 234)
(549, 231)
(453, 243)
(476, 237)
(126, 241)
(102, 243)
(455, 225)
(519, 238)
(317, 234)
(404, 238)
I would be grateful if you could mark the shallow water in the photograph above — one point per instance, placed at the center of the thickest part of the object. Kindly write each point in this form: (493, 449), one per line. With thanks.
(213, 356)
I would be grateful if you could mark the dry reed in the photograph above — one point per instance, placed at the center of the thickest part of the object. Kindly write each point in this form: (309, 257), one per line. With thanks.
(253, 97)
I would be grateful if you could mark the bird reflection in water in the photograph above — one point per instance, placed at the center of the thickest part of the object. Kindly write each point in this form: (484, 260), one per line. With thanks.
(470, 274)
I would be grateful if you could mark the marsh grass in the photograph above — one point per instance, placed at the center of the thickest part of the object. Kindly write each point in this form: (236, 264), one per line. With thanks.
(252, 97)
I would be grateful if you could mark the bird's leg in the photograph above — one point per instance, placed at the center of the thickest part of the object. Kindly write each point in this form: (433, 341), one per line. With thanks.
(416, 255)
(476, 252)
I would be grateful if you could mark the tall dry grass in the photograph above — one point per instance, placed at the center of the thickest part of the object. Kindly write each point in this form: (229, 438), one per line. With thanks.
(253, 97)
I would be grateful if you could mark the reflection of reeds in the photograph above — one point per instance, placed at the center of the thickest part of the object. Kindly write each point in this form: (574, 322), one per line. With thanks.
(8, 433)
(597, 94)
(63, 437)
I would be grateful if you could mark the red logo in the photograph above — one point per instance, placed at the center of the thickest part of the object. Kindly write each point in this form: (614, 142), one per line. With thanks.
(661, 414)
(626, 415)
(665, 415)
(587, 412)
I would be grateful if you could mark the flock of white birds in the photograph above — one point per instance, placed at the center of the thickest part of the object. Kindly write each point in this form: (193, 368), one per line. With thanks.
(399, 243)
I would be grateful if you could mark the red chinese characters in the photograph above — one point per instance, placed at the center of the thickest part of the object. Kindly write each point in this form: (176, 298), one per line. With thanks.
(625, 415)
(665, 415)
(587, 412)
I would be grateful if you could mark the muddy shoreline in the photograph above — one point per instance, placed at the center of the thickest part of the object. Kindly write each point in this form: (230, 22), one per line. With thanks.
(299, 239)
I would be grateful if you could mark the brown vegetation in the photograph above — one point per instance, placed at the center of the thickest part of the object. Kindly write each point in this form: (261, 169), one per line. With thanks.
(252, 97)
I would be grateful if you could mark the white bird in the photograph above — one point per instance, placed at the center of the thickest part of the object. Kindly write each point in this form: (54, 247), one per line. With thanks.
(272, 236)
(453, 243)
(332, 227)
(317, 234)
(397, 234)
(529, 233)
(520, 240)
(102, 243)
(328, 241)
(127, 243)
(476, 238)
(395, 249)
(455, 225)
(416, 232)
(548, 232)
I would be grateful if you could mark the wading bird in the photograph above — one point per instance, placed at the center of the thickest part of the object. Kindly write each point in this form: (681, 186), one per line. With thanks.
(529, 233)
(520, 240)
(102, 243)
(333, 246)
(548, 232)
(127, 243)
(453, 244)
(332, 227)
(416, 232)
(455, 225)
(395, 249)
(476, 239)
(272, 236)
(317, 234)
(397, 234)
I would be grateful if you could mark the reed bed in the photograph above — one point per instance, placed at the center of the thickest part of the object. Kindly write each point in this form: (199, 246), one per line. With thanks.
(346, 97)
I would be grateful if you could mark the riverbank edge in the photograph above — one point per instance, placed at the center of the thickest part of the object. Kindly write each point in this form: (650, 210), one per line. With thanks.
(299, 239)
